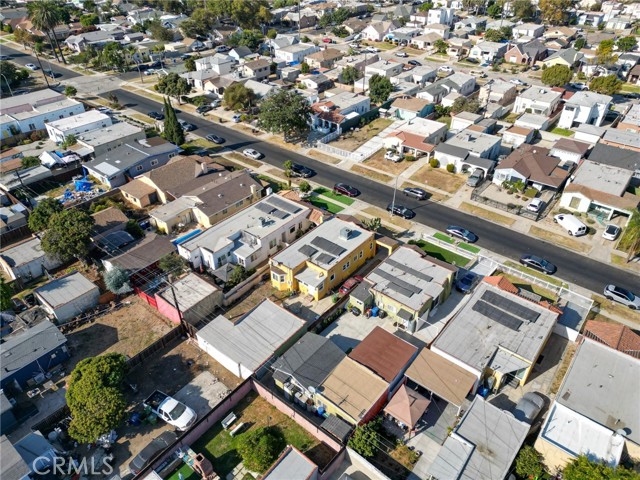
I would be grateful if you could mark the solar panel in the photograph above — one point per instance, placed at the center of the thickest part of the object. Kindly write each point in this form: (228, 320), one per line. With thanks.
(325, 258)
(397, 282)
(283, 205)
(328, 246)
(264, 207)
(497, 315)
(308, 250)
(279, 214)
(400, 289)
(510, 306)
(409, 270)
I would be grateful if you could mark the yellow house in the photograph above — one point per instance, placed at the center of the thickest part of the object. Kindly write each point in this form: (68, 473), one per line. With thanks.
(567, 57)
(323, 259)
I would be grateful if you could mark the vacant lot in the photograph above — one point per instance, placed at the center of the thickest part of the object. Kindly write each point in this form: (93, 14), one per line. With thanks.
(367, 172)
(354, 138)
(485, 213)
(439, 178)
(220, 447)
(128, 331)
(378, 161)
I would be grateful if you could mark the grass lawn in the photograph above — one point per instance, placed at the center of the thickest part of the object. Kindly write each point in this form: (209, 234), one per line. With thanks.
(142, 118)
(562, 131)
(356, 138)
(535, 273)
(628, 88)
(334, 196)
(511, 118)
(444, 238)
(325, 205)
(241, 158)
(469, 248)
(383, 45)
(196, 144)
(378, 161)
(616, 309)
(488, 214)
(446, 119)
(187, 473)
(559, 239)
(441, 253)
(439, 178)
(367, 172)
(220, 447)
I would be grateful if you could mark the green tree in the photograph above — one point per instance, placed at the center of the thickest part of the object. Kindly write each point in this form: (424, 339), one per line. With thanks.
(173, 131)
(555, 12)
(604, 52)
(199, 24)
(259, 448)
(30, 161)
(441, 46)
(529, 463)
(630, 240)
(557, 75)
(246, 13)
(68, 235)
(84, 58)
(237, 275)
(626, 44)
(287, 165)
(340, 31)
(70, 91)
(350, 74)
(581, 468)
(442, 111)
(94, 396)
(379, 89)
(425, 7)
(23, 37)
(304, 68)
(494, 10)
(12, 74)
(6, 292)
(113, 56)
(247, 38)
(580, 43)
(117, 281)
(45, 209)
(365, 438)
(173, 264)
(272, 33)
(159, 32)
(304, 186)
(69, 141)
(89, 19)
(238, 97)
(134, 229)
(341, 14)
(46, 15)
(608, 85)
(523, 9)
(285, 112)
(493, 35)
(173, 85)
(464, 104)
(190, 64)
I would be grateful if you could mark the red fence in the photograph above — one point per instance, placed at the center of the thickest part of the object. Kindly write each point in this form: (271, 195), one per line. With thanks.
(151, 300)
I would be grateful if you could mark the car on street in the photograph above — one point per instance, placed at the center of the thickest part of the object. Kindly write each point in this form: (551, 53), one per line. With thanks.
(517, 81)
(485, 64)
(157, 445)
(204, 108)
(186, 126)
(31, 66)
(298, 170)
(415, 63)
(579, 86)
(215, 139)
(475, 61)
(4, 58)
(50, 73)
(350, 284)
(611, 232)
(186, 56)
(417, 193)
(623, 296)
(327, 40)
(462, 233)
(150, 71)
(467, 282)
(538, 263)
(446, 69)
(402, 54)
(156, 115)
(222, 48)
(535, 205)
(344, 189)
(401, 211)
(251, 153)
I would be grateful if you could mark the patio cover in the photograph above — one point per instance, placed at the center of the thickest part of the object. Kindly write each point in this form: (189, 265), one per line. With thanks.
(441, 376)
(407, 406)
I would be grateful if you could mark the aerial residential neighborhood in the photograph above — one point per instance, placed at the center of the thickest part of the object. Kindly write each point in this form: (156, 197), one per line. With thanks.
(317, 240)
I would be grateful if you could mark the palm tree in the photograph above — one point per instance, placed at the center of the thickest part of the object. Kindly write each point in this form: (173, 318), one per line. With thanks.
(45, 16)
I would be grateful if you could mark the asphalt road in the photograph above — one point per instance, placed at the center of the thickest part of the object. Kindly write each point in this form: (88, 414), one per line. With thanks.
(575, 268)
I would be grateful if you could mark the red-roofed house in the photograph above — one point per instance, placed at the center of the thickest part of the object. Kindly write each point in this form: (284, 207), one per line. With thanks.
(331, 114)
(617, 336)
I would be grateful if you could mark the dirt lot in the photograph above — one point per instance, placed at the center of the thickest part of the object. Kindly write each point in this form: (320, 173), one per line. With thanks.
(439, 178)
(253, 298)
(352, 140)
(128, 331)
(367, 172)
(377, 161)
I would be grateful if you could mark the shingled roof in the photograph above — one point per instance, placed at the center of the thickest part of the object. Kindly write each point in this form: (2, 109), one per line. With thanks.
(614, 335)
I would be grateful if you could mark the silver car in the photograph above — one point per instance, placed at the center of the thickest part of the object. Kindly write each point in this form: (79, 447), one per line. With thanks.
(623, 296)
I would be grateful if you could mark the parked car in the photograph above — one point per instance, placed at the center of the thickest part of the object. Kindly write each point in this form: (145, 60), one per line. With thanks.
(623, 296)
(372, 50)
(611, 232)
(475, 61)
(156, 64)
(535, 205)
(157, 445)
(417, 193)
(475, 178)
(535, 68)
(186, 126)
(167, 408)
(529, 407)
(31, 66)
(298, 170)
(344, 189)
(415, 63)
(216, 103)
(402, 54)
(105, 110)
(446, 69)
(51, 73)
(4, 58)
(467, 282)
(573, 226)
(18, 305)
(156, 115)
(517, 81)
(251, 153)
(350, 284)
(327, 40)
(204, 108)
(538, 263)
(485, 64)
(462, 233)
(580, 86)
(355, 311)
(237, 118)
(401, 211)
(150, 71)
(222, 48)
(215, 139)
(393, 156)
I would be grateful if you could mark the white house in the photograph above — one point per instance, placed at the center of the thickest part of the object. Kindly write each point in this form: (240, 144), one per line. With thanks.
(27, 261)
(443, 16)
(59, 130)
(585, 107)
(384, 68)
(532, 30)
(218, 63)
(569, 150)
(249, 237)
(68, 296)
(296, 53)
(488, 51)
(329, 114)
(468, 150)
(538, 100)
(592, 19)
(442, 31)
(376, 31)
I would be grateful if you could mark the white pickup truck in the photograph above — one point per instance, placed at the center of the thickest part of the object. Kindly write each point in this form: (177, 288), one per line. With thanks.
(170, 410)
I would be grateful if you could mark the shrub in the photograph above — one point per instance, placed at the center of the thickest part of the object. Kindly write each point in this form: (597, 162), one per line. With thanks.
(409, 158)
(531, 192)
(451, 168)
(434, 163)
(590, 221)
(591, 231)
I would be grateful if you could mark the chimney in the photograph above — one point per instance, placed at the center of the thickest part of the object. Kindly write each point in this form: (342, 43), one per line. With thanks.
(253, 189)
(204, 167)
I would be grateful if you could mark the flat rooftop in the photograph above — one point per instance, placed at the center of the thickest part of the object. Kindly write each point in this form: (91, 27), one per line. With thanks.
(476, 142)
(189, 291)
(75, 121)
(604, 178)
(65, 289)
(541, 94)
(109, 134)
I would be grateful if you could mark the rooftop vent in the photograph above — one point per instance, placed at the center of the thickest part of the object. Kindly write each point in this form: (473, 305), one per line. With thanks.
(345, 233)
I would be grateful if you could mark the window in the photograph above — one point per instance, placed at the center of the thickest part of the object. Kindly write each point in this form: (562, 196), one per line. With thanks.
(321, 286)
(292, 229)
(272, 243)
(32, 126)
(139, 168)
(277, 278)
(360, 255)
(154, 163)
(333, 277)
(574, 203)
(370, 245)
(239, 204)
(355, 258)
(345, 266)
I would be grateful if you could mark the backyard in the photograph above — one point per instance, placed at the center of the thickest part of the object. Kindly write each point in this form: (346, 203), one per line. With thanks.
(220, 447)
(378, 161)
(441, 253)
(439, 178)
(354, 138)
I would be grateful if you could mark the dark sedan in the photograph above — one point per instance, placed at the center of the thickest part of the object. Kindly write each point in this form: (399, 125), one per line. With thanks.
(51, 73)
(415, 63)
(467, 282)
(416, 193)
(157, 445)
(462, 233)
(215, 139)
(344, 189)
(156, 115)
(298, 170)
(401, 211)
(204, 108)
(538, 263)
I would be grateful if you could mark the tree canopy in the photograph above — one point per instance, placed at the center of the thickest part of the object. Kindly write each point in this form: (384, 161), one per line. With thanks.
(199, 24)
(94, 396)
(604, 52)
(246, 38)
(523, 9)
(608, 85)
(12, 74)
(117, 281)
(173, 264)
(173, 131)
(350, 74)
(158, 31)
(557, 75)
(555, 12)
(379, 89)
(529, 463)
(365, 438)
(68, 234)
(259, 448)
(70, 91)
(113, 56)
(581, 468)
(5, 294)
(238, 97)
(46, 15)
(626, 44)
(30, 161)
(580, 43)
(45, 209)
(285, 112)
(89, 19)
(498, 35)
(246, 13)
(173, 85)
(464, 104)
(441, 46)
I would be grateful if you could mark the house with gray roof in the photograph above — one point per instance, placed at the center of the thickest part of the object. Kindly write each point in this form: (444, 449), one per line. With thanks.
(31, 353)
(537, 100)
(292, 465)
(469, 149)
(569, 57)
(488, 51)
(68, 296)
(244, 345)
(103, 140)
(27, 261)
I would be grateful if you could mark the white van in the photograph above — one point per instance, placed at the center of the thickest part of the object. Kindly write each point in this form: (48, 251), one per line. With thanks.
(574, 226)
